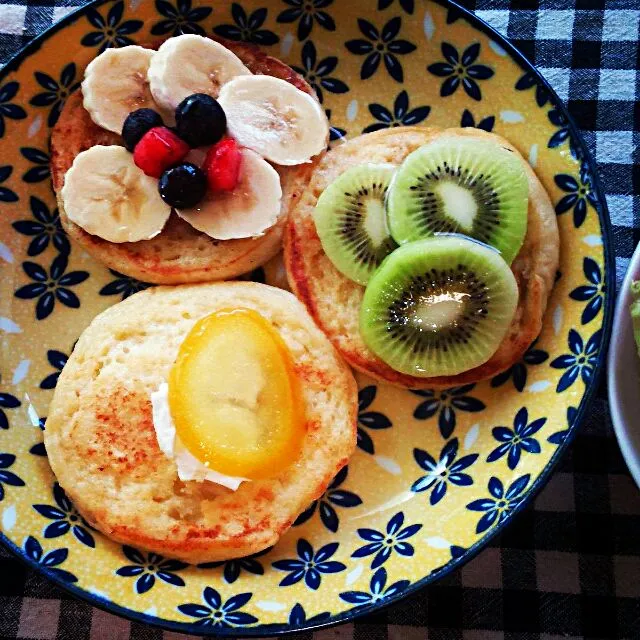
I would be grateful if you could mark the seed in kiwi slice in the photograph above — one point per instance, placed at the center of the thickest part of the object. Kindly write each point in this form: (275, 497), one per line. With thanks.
(351, 220)
(461, 185)
(438, 307)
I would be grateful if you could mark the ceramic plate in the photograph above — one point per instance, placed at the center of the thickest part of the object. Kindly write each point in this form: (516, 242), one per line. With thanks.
(624, 374)
(435, 474)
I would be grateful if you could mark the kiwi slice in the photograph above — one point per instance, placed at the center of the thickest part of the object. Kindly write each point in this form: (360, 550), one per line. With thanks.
(439, 306)
(351, 220)
(461, 185)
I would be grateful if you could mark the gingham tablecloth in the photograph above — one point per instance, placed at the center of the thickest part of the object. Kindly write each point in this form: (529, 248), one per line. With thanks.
(569, 567)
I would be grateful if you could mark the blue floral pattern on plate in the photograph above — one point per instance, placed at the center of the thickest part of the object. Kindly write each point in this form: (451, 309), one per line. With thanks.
(6, 194)
(563, 134)
(44, 228)
(560, 436)
(400, 115)
(517, 373)
(592, 293)
(369, 419)
(65, 518)
(51, 285)
(497, 507)
(214, 612)
(309, 565)
(39, 158)
(580, 362)
(57, 360)
(383, 45)
(579, 195)
(51, 560)
(444, 403)
(326, 504)
(8, 109)
(55, 92)
(8, 477)
(112, 31)
(382, 544)
(247, 28)
(123, 286)
(316, 72)
(7, 401)
(461, 69)
(179, 18)
(232, 569)
(528, 80)
(378, 590)
(406, 5)
(298, 617)
(147, 567)
(448, 469)
(486, 124)
(517, 440)
(307, 13)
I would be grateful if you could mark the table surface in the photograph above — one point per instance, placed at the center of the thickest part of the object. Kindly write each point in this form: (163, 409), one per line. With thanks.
(569, 567)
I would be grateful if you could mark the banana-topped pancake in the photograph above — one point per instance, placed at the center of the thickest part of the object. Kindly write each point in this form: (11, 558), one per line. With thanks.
(180, 164)
(199, 421)
(426, 256)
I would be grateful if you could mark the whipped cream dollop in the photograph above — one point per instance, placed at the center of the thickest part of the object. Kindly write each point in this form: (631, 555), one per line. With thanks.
(189, 467)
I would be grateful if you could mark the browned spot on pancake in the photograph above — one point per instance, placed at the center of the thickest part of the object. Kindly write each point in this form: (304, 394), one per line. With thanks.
(312, 425)
(265, 494)
(308, 373)
(113, 433)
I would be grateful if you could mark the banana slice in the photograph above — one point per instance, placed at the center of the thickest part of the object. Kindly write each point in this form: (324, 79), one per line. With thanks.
(115, 83)
(108, 196)
(191, 64)
(247, 211)
(272, 117)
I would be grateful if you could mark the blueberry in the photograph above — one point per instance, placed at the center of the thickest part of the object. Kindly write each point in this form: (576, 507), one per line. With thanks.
(138, 122)
(200, 120)
(182, 186)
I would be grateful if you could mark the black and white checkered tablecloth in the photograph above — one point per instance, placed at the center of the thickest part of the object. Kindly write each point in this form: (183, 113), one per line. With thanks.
(570, 566)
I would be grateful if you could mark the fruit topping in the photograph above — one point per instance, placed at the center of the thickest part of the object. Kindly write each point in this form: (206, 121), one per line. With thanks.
(159, 149)
(138, 122)
(183, 185)
(107, 195)
(246, 212)
(189, 64)
(234, 396)
(351, 221)
(271, 116)
(222, 165)
(115, 83)
(439, 306)
(461, 185)
(200, 120)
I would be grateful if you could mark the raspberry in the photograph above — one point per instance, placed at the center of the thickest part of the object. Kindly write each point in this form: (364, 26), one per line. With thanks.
(158, 150)
(222, 165)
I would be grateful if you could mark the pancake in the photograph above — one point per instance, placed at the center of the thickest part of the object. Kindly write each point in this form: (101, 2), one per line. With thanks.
(179, 253)
(102, 445)
(334, 301)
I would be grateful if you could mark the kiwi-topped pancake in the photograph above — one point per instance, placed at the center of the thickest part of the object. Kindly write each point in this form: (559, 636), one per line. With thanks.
(335, 301)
